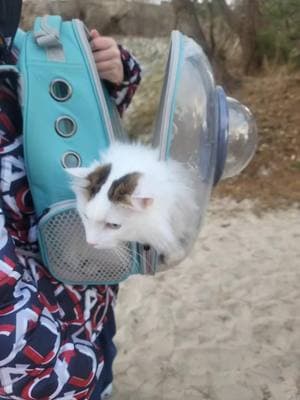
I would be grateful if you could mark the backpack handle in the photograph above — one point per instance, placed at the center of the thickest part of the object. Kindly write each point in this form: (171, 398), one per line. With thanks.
(47, 31)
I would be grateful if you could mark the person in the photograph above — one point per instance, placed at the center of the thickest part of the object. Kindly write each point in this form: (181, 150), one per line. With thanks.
(56, 340)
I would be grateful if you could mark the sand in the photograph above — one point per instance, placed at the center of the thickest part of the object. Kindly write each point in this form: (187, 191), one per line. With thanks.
(223, 325)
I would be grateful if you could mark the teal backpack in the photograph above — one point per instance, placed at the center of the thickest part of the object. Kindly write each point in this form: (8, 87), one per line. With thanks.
(69, 118)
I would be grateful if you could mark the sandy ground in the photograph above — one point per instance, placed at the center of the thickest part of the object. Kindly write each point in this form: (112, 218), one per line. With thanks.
(223, 325)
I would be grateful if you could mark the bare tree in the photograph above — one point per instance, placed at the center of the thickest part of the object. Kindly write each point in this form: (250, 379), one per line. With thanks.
(187, 21)
(245, 24)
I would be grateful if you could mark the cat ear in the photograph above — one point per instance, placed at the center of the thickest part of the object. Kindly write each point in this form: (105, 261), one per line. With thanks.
(141, 203)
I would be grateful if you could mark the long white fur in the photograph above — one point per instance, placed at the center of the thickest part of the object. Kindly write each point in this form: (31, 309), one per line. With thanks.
(163, 224)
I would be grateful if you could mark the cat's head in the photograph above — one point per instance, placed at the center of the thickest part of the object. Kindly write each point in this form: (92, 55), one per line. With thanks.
(112, 207)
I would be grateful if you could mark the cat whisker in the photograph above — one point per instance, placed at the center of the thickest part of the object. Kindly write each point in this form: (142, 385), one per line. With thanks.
(123, 253)
(128, 256)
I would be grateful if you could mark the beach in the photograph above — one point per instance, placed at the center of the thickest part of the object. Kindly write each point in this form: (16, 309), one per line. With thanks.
(222, 325)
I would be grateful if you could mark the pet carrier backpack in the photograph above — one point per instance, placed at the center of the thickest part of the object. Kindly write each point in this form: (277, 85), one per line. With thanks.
(69, 118)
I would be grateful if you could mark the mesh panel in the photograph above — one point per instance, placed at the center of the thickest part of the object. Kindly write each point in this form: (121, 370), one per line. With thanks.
(71, 259)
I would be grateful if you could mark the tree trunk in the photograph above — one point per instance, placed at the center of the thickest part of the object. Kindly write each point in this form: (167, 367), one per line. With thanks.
(252, 57)
(245, 25)
(187, 22)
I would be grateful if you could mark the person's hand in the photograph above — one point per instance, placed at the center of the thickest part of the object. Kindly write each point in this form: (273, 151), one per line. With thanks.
(107, 57)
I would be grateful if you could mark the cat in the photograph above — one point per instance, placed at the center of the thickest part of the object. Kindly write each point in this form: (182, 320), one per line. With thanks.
(131, 196)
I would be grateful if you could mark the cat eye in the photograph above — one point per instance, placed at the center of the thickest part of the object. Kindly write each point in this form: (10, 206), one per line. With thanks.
(112, 226)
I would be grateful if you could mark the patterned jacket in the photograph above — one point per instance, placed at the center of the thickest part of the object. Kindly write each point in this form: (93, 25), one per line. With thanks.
(50, 333)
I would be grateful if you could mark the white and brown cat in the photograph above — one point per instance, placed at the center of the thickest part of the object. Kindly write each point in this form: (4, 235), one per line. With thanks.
(132, 196)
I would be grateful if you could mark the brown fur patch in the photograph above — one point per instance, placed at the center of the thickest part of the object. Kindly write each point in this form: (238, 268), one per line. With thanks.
(97, 178)
(121, 189)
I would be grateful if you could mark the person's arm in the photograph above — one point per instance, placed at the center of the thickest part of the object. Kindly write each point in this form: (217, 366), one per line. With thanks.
(117, 67)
